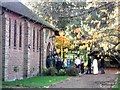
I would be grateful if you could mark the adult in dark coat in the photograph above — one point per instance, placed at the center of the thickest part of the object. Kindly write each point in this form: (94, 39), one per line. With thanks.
(53, 61)
(59, 64)
(48, 62)
(102, 65)
(82, 66)
(89, 66)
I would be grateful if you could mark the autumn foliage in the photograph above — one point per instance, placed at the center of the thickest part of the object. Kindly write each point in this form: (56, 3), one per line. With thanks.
(61, 42)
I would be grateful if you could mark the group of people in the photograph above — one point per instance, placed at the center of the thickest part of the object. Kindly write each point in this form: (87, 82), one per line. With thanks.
(58, 63)
(79, 64)
(92, 66)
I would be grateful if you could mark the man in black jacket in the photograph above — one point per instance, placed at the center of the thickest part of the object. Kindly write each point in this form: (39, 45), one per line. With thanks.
(102, 65)
(89, 66)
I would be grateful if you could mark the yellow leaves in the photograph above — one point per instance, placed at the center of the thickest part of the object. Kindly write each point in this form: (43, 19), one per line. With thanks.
(76, 42)
(96, 48)
(98, 25)
(85, 41)
(72, 46)
(95, 21)
(61, 33)
(118, 47)
(62, 41)
(117, 29)
(58, 50)
(103, 10)
(88, 48)
(90, 32)
(104, 45)
(77, 30)
(104, 35)
(75, 38)
(104, 18)
(78, 36)
(83, 47)
(97, 35)
(66, 50)
(88, 17)
(109, 23)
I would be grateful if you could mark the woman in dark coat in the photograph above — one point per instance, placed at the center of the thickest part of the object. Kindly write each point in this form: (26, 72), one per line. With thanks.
(102, 65)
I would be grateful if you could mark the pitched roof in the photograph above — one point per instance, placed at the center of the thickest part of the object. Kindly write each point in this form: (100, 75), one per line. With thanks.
(21, 9)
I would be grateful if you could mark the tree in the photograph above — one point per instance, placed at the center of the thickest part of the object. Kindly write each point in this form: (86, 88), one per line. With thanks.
(95, 20)
(61, 42)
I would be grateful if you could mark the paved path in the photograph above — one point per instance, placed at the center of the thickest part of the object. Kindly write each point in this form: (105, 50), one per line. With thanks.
(89, 81)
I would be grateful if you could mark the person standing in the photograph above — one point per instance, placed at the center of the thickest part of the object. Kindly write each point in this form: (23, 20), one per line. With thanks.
(77, 63)
(48, 62)
(95, 66)
(102, 65)
(65, 61)
(58, 64)
(68, 63)
(82, 66)
(89, 66)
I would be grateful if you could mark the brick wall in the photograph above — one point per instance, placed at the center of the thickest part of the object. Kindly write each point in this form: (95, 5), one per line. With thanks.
(13, 55)
(22, 62)
(33, 54)
(3, 45)
(0, 43)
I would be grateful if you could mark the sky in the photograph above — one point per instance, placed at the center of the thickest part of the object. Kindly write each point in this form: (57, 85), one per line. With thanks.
(24, 1)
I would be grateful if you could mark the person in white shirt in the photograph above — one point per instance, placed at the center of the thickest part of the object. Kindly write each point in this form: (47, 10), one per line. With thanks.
(65, 62)
(77, 63)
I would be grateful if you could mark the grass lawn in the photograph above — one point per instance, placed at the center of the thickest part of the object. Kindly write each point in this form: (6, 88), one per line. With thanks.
(36, 82)
(117, 85)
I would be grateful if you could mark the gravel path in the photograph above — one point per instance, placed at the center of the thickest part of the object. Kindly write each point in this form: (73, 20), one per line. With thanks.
(89, 81)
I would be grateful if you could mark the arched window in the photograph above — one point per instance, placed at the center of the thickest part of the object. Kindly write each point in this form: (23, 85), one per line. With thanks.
(20, 35)
(9, 31)
(15, 32)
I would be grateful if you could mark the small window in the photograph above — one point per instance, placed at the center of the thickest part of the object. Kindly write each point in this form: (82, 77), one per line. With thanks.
(33, 39)
(37, 39)
(20, 35)
(9, 31)
(15, 32)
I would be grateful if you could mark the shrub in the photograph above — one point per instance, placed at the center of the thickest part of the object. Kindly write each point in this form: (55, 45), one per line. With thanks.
(45, 72)
(61, 72)
(72, 71)
(51, 71)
